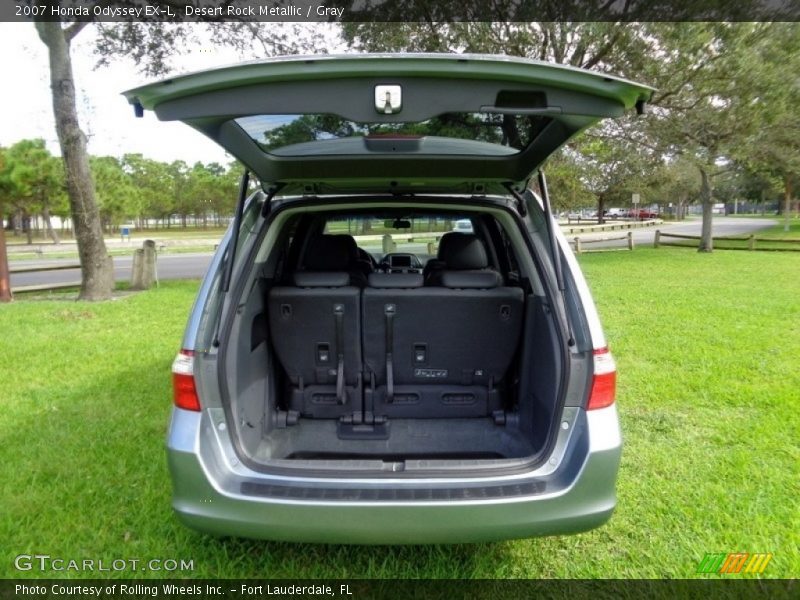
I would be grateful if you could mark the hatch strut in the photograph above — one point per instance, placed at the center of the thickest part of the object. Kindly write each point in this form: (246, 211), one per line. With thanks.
(237, 222)
(551, 232)
(550, 222)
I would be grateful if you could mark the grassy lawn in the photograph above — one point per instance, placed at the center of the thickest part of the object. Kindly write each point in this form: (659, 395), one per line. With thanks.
(709, 395)
(778, 232)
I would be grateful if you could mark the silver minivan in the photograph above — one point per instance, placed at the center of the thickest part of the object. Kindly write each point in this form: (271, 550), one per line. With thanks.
(354, 370)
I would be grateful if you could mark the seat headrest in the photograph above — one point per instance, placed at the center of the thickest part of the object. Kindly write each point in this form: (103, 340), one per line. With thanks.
(330, 253)
(395, 280)
(309, 279)
(462, 251)
(471, 279)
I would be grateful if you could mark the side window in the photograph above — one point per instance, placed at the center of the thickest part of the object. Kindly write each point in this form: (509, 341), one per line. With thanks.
(250, 218)
(508, 259)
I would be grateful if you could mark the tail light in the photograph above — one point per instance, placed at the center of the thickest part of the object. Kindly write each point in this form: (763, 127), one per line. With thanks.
(604, 381)
(184, 390)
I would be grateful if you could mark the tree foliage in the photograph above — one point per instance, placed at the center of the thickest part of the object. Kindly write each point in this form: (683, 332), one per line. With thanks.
(33, 183)
(130, 188)
(727, 94)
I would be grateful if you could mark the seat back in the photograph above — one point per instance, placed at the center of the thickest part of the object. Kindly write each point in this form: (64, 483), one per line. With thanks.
(316, 332)
(439, 351)
(462, 253)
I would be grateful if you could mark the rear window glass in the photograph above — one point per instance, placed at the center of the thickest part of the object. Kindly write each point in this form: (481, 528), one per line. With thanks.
(414, 234)
(279, 133)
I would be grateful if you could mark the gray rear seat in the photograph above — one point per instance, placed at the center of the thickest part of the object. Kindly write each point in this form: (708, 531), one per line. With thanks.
(316, 332)
(440, 351)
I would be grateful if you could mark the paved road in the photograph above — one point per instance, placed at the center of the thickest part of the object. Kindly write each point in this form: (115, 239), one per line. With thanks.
(193, 266)
(170, 266)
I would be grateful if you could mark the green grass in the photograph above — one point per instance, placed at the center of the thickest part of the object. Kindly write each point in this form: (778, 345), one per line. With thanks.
(777, 231)
(707, 348)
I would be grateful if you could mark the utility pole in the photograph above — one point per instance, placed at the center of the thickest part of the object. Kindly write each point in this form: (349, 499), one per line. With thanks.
(5, 279)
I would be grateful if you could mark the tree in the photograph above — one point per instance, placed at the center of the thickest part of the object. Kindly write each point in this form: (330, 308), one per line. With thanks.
(706, 107)
(612, 170)
(564, 173)
(152, 179)
(181, 197)
(709, 76)
(97, 270)
(206, 185)
(5, 192)
(774, 148)
(146, 43)
(36, 181)
(117, 197)
(679, 184)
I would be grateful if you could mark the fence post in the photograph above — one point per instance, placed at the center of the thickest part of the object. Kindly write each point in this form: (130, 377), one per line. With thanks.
(657, 238)
(751, 242)
(143, 271)
(577, 245)
(136, 269)
(630, 240)
(388, 244)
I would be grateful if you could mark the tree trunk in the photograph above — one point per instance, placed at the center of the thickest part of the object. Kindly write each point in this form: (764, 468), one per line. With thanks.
(97, 271)
(49, 226)
(787, 201)
(5, 281)
(601, 208)
(26, 227)
(707, 199)
(18, 223)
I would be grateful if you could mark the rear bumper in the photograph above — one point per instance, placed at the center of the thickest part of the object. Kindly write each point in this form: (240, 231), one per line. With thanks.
(214, 493)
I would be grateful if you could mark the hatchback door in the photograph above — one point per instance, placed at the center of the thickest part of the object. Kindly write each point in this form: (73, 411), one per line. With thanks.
(414, 122)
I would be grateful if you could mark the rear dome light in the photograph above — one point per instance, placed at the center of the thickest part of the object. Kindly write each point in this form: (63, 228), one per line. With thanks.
(183, 388)
(604, 381)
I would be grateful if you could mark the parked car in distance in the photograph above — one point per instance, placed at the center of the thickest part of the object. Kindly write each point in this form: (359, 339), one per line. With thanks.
(612, 213)
(323, 396)
(463, 225)
(642, 213)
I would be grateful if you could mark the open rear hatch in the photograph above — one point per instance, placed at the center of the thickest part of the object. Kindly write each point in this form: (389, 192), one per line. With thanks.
(393, 371)
(421, 122)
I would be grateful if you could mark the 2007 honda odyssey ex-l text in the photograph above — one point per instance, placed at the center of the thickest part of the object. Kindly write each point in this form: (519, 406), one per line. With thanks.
(356, 368)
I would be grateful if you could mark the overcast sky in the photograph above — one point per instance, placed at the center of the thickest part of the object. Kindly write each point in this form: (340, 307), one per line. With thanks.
(105, 116)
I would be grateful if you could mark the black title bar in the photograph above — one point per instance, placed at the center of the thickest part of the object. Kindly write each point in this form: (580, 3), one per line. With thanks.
(411, 11)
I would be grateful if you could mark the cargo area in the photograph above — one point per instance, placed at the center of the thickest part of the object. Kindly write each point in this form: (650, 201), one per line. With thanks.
(442, 348)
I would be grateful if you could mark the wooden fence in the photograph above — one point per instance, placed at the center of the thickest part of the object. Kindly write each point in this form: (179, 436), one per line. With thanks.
(40, 287)
(751, 240)
(578, 243)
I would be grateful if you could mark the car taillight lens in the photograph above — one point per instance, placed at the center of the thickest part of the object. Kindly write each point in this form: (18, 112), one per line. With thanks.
(184, 391)
(604, 381)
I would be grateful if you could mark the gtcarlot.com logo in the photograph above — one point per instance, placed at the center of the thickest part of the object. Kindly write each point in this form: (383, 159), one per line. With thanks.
(45, 562)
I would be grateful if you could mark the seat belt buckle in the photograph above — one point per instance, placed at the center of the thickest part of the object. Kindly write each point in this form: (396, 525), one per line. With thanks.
(323, 354)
